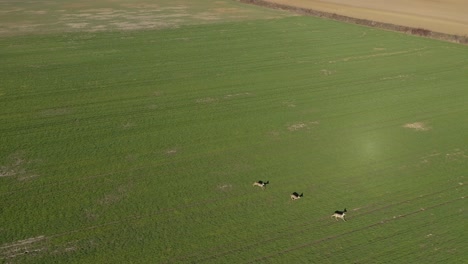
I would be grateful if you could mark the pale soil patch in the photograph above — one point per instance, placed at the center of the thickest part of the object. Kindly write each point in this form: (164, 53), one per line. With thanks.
(22, 247)
(97, 28)
(449, 16)
(127, 125)
(229, 96)
(326, 72)
(17, 166)
(172, 151)
(145, 6)
(226, 9)
(208, 100)
(55, 112)
(178, 8)
(157, 93)
(418, 126)
(385, 54)
(77, 25)
(100, 11)
(456, 155)
(74, 16)
(70, 247)
(13, 10)
(90, 215)
(36, 12)
(115, 196)
(23, 242)
(131, 157)
(297, 126)
(400, 76)
(289, 104)
(125, 25)
(224, 187)
(152, 106)
(429, 158)
(274, 133)
(162, 16)
(301, 125)
(23, 28)
(206, 16)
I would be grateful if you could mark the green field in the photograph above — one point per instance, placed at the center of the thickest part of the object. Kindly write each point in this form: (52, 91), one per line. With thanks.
(141, 144)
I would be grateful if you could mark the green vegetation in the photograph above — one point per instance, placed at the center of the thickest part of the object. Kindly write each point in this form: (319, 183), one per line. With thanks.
(142, 146)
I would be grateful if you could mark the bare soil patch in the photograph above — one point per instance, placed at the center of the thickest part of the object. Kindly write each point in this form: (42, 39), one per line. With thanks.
(297, 126)
(457, 155)
(114, 197)
(17, 166)
(301, 125)
(22, 247)
(206, 100)
(55, 112)
(326, 72)
(418, 126)
(226, 97)
(224, 187)
(172, 151)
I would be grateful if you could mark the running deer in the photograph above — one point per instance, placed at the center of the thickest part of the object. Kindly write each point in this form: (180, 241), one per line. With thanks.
(261, 184)
(339, 214)
(295, 196)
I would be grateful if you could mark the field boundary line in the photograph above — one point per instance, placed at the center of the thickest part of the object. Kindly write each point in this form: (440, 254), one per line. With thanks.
(421, 32)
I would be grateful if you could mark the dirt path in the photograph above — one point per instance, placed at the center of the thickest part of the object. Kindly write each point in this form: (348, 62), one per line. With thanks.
(448, 16)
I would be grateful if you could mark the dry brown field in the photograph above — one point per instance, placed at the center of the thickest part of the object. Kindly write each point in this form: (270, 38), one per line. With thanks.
(445, 16)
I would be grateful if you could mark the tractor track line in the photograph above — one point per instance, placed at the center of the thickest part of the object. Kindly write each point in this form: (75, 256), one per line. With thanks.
(305, 224)
(384, 221)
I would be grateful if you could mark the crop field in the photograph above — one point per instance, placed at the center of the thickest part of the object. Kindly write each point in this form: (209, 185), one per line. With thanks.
(132, 133)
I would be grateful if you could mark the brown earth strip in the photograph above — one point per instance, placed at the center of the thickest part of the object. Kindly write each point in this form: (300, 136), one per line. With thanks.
(300, 9)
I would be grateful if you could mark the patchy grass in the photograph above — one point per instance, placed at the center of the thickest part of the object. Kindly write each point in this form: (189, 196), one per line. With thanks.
(144, 144)
(32, 17)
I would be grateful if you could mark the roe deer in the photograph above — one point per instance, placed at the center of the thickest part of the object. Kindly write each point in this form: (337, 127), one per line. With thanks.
(261, 184)
(339, 214)
(295, 196)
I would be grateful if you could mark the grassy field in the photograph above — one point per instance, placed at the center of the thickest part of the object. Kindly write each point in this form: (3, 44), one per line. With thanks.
(141, 146)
